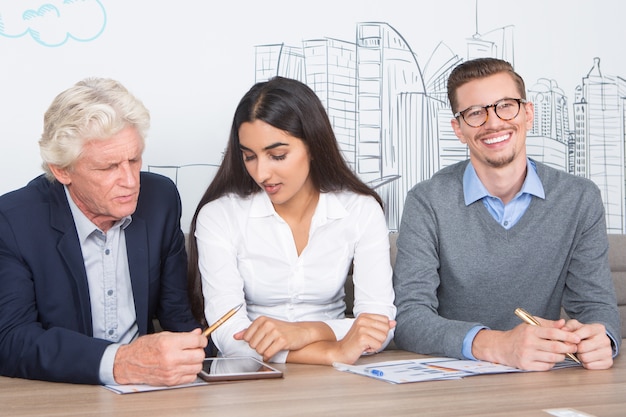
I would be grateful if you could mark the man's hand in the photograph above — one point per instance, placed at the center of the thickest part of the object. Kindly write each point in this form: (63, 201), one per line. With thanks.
(532, 348)
(594, 350)
(162, 358)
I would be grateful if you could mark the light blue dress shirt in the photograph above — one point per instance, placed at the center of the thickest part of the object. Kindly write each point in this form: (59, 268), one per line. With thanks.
(110, 292)
(506, 215)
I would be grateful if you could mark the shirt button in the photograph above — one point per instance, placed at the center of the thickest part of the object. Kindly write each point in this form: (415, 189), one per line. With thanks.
(106, 252)
(110, 292)
(110, 332)
(506, 222)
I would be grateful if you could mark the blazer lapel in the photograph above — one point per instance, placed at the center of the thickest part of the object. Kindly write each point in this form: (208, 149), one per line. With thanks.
(139, 266)
(69, 249)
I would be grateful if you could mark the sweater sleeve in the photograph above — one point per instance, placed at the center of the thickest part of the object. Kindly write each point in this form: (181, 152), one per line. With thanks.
(416, 281)
(589, 295)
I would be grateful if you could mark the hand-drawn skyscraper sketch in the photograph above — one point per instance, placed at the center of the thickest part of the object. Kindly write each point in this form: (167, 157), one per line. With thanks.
(600, 135)
(392, 119)
(374, 93)
(548, 139)
(387, 104)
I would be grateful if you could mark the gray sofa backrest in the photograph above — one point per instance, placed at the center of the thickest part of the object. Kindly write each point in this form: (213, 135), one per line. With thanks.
(617, 260)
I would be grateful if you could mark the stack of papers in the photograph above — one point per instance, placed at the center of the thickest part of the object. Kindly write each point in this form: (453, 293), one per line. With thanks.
(430, 369)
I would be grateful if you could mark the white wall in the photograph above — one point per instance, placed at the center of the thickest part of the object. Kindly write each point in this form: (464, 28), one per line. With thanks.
(190, 61)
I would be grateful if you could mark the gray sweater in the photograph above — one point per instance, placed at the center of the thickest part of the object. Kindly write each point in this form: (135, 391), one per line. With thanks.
(457, 268)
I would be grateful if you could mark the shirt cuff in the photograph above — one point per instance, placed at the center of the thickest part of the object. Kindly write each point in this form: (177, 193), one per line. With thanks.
(469, 340)
(614, 345)
(340, 327)
(280, 357)
(106, 364)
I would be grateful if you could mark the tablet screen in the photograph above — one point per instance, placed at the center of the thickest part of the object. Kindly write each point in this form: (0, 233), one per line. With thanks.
(228, 369)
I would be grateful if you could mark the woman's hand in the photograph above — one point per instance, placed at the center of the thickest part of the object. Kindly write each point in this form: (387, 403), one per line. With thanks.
(269, 336)
(367, 335)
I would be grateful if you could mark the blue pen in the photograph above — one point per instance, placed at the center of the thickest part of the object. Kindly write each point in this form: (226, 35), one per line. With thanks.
(376, 372)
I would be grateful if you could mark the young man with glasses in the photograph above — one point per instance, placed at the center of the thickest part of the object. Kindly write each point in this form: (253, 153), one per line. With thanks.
(501, 231)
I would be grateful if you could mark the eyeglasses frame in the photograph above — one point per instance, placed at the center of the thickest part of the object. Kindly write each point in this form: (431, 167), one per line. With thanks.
(519, 101)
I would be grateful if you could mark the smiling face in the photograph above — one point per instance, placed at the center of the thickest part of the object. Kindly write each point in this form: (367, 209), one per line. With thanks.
(104, 181)
(497, 143)
(278, 162)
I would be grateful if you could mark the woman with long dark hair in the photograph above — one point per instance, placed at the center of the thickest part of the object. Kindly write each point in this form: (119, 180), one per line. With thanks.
(279, 228)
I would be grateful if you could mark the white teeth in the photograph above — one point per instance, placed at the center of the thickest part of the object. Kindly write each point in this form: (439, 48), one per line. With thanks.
(496, 140)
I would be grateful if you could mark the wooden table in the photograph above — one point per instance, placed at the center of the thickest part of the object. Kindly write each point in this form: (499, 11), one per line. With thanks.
(321, 391)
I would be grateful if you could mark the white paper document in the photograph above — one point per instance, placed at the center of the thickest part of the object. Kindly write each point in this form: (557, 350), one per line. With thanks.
(429, 369)
(132, 389)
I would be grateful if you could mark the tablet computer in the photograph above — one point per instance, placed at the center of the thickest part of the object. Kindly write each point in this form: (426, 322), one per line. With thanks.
(236, 368)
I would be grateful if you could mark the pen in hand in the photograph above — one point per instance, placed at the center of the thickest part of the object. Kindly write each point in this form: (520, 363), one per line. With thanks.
(528, 319)
(221, 321)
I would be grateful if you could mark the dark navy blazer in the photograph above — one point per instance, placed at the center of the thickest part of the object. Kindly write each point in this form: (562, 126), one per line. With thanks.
(45, 313)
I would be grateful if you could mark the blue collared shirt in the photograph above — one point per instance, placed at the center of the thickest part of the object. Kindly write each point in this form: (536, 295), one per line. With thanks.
(507, 215)
(110, 291)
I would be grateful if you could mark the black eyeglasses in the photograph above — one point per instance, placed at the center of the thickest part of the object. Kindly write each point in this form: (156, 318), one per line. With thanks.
(505, 109)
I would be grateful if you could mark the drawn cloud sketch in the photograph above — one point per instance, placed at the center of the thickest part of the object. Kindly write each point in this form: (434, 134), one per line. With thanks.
(52, 23)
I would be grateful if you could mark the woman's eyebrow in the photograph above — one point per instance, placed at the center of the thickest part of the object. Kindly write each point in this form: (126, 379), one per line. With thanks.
(275, 145)
(267, 148)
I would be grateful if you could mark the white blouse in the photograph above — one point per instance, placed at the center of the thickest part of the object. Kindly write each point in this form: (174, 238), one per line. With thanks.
(247, 255)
